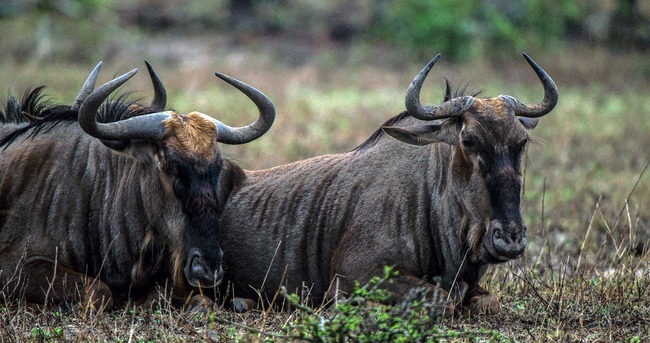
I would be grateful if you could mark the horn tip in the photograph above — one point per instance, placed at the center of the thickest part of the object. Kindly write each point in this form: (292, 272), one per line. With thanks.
(225, 77)
(152, 72)
(527, 57)
(126, 76)
(433, 61)
(97, 68)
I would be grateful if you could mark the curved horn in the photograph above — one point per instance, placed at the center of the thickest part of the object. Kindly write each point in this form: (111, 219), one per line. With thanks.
(550, 95)
(447, 109)
(87, 88)
(159, 93)
(245, 134)
(148, 126)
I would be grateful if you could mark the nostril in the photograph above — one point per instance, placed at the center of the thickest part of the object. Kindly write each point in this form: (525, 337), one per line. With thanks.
(200, 267)
(515, 236)
(503, 236)
(519, 233)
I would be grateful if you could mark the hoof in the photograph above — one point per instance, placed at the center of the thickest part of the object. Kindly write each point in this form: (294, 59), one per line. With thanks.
(488, 304)
(199, 303)
(480, 301)
(446, 303)
(448, 309)
(241, 305)
(97, 296)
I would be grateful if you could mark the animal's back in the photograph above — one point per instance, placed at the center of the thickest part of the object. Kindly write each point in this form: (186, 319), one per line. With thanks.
(272, 222)
(308, 217)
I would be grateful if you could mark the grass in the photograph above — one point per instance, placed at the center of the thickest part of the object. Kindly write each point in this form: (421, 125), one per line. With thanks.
(586, 273)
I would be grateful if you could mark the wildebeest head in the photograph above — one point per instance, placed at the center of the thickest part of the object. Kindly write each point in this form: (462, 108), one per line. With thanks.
(183, 150)
(488, 138)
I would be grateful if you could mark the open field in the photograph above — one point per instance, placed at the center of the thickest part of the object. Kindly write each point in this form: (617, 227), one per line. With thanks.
(586, 273)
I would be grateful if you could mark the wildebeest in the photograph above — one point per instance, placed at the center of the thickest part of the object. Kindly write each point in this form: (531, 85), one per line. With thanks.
(439, 214)
(105, 200)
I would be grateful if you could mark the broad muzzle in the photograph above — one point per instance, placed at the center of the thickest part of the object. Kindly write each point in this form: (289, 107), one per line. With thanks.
(203, 271)
(508, 240)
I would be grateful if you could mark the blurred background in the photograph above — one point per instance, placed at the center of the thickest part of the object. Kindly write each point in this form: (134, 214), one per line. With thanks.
(337, 70)
(85, 30)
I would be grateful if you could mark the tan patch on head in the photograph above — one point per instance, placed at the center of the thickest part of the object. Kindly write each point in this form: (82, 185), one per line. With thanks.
(493, 107)
(193, 134)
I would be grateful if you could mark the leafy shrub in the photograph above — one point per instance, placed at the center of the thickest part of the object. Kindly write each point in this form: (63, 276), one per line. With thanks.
(365, 317)
(462, 29)
(420, 26)
(508, 26)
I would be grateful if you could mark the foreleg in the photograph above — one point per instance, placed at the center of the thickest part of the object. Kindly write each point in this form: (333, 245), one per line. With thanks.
(46, 281)
(480, 301)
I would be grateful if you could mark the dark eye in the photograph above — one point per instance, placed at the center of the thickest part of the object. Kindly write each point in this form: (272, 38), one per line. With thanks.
(522, 146)
(468, 142)
(179, 188)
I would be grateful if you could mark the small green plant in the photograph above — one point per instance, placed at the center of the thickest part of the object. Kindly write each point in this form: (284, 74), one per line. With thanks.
(365, 316)
(38, 333)
(635, 339)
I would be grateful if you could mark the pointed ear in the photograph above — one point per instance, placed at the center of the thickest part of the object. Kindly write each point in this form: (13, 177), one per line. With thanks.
(528, 123)
(424, 134)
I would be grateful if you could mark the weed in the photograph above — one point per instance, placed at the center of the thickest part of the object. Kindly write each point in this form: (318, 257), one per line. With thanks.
(38, 333)
(365, 316)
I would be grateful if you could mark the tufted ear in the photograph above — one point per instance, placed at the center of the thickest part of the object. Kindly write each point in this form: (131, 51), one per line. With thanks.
(426, 133)
(528, 123)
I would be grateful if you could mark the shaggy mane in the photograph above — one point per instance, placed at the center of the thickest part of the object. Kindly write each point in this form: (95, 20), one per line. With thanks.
(49, 115)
